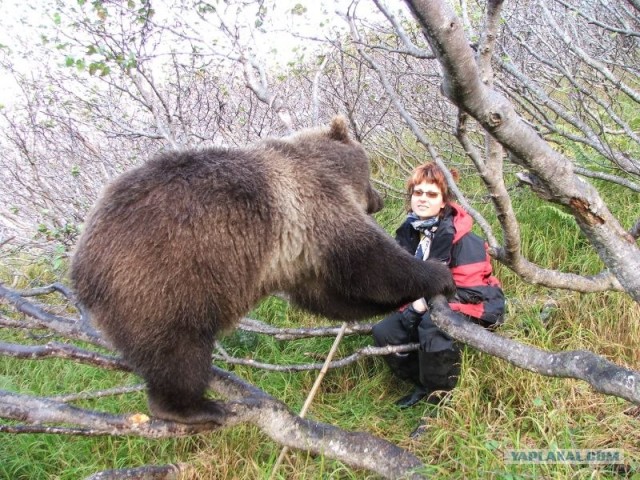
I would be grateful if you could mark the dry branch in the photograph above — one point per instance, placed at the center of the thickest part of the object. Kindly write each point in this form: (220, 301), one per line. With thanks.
(153, 472)
(464, 87)
(247, 404)
(603, 375)
(312, 392)
(357, 449)
(61, 350)
(69, 327)
(256, 326)
(74, 397)
(363, 352)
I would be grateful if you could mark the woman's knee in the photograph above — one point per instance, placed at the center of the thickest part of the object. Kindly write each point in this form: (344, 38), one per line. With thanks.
(379, 335)
(389, 331)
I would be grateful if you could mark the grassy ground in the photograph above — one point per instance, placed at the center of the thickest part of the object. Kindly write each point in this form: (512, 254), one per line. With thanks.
(496, 406)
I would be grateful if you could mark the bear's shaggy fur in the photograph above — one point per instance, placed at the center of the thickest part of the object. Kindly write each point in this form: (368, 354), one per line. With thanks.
(179, 249)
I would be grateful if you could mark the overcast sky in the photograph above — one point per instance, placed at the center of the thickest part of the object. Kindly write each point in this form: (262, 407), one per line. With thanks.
(23, 22)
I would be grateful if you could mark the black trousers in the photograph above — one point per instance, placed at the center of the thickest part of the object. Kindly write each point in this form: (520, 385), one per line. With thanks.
(436, 365)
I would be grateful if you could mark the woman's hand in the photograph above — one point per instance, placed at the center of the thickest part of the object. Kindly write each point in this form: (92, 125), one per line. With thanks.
(420, 305)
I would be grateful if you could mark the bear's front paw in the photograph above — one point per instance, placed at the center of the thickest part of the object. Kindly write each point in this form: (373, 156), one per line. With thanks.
(450, 289)
(441, 280)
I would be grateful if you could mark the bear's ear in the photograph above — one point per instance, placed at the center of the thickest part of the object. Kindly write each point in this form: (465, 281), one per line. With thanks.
(339, 129)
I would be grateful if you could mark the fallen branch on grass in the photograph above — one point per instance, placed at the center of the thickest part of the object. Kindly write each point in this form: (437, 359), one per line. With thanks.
(248, 404)
(151, 472)
(604, 376)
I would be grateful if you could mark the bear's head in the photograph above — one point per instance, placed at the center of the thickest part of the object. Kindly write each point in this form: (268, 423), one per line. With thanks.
(343, 159)
(339, 131)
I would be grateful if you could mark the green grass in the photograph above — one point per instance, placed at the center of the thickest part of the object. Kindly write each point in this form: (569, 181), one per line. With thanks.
(495, 407)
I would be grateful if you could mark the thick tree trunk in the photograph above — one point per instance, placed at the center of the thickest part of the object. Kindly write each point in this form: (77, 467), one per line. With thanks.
(464, 87)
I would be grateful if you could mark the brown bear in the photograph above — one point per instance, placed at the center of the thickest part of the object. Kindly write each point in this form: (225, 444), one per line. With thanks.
(182, 247)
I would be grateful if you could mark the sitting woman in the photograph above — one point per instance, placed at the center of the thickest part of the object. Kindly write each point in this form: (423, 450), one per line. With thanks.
(439, 229)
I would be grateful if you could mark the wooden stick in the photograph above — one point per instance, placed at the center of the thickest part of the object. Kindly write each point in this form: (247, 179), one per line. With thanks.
(312, 393)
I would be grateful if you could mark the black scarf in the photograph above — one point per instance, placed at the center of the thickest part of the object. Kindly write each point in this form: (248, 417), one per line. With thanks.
(426, 227)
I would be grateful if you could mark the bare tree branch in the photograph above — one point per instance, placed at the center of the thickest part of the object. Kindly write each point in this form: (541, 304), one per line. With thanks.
(590, 137)
(363, 352)
(463, 86)
(476, 337)
(60, 350)
(74, 397)
(7, 240)
(69, 327)
(260, 87)
(315, 115)
(247, 404)
(510, 254)
(603, 375)
(635, 4)
(590, 19)
(411, 48)
(356, 449)
(150, 472)
(252, 325)
(54, 287)
(486, 228)
(584, 56)
(610, 178)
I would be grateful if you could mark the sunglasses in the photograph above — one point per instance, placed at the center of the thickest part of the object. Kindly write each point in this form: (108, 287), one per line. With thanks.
(430, 194)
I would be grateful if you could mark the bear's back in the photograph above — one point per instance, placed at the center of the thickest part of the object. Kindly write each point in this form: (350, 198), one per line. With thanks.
(167, 238)
(212, 178)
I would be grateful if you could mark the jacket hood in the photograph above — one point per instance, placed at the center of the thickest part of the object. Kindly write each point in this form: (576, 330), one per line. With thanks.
(462, 221)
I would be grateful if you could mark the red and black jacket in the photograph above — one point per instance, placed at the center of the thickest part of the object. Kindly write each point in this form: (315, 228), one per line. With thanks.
(478, 294)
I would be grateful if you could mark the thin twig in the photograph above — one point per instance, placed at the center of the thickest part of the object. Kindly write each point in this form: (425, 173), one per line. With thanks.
(312, 393)
(74, 397)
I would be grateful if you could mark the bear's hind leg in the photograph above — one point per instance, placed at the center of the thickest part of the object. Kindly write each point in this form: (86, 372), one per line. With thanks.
(198, 410)
(177, 383)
